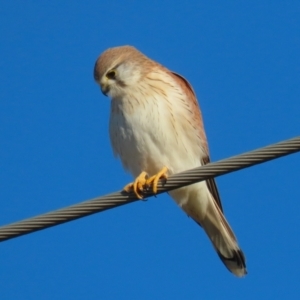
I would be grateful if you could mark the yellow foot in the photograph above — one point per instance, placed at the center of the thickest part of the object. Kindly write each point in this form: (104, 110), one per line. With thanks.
(153, 180)
(137, 186)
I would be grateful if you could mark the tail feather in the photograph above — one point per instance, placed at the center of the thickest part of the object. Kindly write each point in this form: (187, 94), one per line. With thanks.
(224, 240)
(200, 203)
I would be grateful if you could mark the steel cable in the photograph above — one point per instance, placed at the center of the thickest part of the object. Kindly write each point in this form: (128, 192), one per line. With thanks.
(174, 181)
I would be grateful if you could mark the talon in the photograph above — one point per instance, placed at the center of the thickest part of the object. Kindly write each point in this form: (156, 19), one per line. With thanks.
(153, 180)
(137, 186)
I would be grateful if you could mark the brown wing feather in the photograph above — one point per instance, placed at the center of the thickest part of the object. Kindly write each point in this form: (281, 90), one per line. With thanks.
(211, 184)
(194, 109)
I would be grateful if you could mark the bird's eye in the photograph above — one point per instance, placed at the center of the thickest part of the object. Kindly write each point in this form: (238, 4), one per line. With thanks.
(111, 74)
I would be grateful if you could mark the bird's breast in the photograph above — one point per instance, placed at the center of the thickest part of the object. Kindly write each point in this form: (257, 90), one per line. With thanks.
(148, 135)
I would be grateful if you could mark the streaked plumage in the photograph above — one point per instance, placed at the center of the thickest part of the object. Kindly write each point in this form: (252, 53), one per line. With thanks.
(155, 121)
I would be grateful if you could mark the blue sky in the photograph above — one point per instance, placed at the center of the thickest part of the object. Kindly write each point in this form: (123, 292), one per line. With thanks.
(243, 61)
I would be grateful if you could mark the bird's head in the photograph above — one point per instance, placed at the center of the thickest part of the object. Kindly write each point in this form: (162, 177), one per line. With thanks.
(118, 69)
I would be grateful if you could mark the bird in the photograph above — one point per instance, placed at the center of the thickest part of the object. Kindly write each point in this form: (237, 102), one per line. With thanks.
(156, 129)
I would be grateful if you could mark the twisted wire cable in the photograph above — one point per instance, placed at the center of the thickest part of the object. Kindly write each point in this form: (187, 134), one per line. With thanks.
(174, 181)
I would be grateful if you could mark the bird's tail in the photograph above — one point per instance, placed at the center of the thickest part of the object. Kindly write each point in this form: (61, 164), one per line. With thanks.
(200, 204)
(223, 239)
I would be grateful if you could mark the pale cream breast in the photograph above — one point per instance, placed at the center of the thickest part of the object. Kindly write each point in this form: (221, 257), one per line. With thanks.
(151, 127)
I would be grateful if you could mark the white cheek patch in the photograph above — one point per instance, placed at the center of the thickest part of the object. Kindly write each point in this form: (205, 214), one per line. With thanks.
(128, 74)
(127, 79)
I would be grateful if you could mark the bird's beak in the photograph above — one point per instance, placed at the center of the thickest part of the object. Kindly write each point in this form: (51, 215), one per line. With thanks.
(104, 90)
(104, 87)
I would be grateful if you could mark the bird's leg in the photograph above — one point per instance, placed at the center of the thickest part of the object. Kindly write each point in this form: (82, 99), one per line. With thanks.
(137, 186)
(153, 180)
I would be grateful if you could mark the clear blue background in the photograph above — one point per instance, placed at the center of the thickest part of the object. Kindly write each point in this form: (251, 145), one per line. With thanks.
(243, 59)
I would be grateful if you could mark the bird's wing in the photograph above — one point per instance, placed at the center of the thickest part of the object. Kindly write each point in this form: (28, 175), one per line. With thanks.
(196, 115)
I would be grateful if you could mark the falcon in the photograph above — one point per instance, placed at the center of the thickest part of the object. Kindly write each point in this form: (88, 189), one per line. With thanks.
(156, 129)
